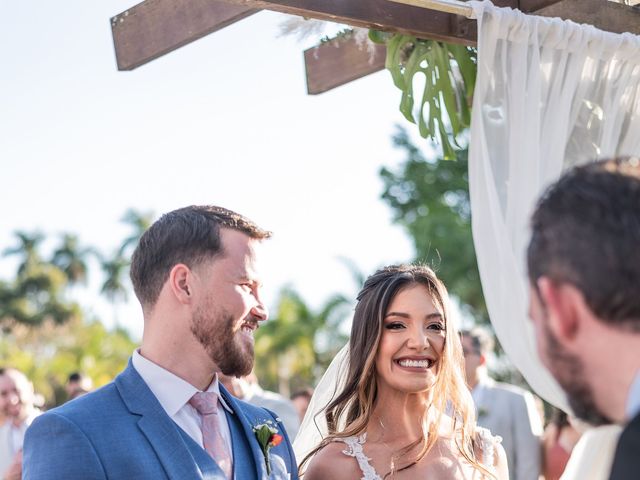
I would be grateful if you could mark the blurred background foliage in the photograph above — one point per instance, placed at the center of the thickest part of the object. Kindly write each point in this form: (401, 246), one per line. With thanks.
(45, 333)
(429, 197)
(49, 353)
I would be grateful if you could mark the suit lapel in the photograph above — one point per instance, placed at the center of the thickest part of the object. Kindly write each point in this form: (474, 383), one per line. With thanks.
(161, 432)
(626, 461)
(245, 446)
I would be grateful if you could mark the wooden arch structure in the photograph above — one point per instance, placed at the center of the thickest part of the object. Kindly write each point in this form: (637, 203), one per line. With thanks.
(156, 27)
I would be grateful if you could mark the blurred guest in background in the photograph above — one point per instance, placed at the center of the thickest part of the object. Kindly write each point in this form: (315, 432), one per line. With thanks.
(3, 417)
(78, 384)
(558, 441)
(301, 400)
(17, 405)
(504, 409)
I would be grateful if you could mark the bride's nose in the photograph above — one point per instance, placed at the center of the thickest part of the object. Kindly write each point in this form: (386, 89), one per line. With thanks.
(418, 339)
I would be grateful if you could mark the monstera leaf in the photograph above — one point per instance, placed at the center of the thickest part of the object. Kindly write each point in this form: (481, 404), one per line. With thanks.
(442, 109)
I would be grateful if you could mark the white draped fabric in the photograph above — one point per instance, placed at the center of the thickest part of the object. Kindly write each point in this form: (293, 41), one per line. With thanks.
(592, 457)
(549, 94)
(314, 426)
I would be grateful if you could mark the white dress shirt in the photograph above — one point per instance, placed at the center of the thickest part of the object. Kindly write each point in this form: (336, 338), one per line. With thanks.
(174, 394)
(633, 399)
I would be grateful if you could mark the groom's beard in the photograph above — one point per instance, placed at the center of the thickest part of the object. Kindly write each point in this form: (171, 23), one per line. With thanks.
(569, 372)
(213, 328)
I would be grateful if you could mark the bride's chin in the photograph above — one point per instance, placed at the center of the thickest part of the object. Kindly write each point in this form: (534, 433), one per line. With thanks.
(413, 388)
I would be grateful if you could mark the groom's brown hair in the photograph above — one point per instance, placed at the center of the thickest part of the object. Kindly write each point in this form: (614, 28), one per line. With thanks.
(188, 235)
(586, 232)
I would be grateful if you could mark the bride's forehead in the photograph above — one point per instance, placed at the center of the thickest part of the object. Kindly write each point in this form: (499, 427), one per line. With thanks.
(417, 295)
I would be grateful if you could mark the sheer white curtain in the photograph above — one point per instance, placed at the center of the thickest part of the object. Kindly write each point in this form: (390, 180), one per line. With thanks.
(549, 94)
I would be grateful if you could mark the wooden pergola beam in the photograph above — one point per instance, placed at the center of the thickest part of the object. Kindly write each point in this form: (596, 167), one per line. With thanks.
(340, 61)
(156, 27)
(605, 15)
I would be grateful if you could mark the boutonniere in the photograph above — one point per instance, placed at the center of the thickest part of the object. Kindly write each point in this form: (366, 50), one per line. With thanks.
(482, 412)
(268, 437)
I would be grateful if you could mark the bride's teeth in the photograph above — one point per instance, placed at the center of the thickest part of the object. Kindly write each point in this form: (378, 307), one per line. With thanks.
(415, 363)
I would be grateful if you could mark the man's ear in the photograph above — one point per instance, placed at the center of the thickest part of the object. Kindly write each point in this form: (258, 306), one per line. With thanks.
(483, 359)
(180, 282)
(563, 303)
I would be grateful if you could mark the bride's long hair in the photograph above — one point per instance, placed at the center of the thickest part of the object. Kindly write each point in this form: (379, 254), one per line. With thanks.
(349, 412)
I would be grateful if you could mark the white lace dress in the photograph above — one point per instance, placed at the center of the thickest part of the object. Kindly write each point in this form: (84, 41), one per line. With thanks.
(486, 443)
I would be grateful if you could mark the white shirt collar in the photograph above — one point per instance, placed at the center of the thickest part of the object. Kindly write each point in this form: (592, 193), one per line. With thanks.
(172, 392)
(633, 399)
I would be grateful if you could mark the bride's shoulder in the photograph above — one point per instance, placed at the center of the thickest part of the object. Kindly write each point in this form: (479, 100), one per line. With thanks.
(485, 439)
(334, 461)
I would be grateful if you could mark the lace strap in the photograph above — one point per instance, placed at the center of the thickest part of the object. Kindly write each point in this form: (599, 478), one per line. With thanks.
(487, 444)
(354, 449)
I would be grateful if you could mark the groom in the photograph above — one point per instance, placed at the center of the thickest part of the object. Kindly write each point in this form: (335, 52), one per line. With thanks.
(584, 269)
(166, 416)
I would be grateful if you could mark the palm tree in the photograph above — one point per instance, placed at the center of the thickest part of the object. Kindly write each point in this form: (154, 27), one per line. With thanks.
(27, 248)
(139, 222)
(72, 259)
(298, 342)
(35, 296)
(114, 287)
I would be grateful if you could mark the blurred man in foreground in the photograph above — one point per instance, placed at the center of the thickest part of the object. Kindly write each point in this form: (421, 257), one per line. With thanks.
(584, 271)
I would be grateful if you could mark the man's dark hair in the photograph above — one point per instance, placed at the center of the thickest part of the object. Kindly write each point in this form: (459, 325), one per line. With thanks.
(189, 235)
(304, 393)
(75, 377)
(586, 232)
(481, 340)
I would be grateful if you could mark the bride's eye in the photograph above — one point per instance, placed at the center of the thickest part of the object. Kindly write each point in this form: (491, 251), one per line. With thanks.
(438, 327)
(394, 326)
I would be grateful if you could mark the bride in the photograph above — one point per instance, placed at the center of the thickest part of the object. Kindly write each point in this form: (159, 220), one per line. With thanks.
(400, 408)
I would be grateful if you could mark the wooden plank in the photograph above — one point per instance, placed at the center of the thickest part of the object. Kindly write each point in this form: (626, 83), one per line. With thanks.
(156, 27)
(529, 6)
(341, 61)
(377, 14)
(605, 15)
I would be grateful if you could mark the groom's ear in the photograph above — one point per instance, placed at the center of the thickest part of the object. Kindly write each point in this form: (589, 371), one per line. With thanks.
(180, 282)
(563, 304)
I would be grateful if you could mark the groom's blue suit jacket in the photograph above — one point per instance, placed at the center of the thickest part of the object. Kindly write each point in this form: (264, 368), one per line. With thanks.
(122, 432)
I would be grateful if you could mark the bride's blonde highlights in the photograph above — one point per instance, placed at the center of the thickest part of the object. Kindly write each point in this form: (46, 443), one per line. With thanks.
(350, 411)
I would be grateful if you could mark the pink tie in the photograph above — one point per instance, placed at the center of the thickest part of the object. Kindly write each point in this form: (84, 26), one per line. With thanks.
(206, 403)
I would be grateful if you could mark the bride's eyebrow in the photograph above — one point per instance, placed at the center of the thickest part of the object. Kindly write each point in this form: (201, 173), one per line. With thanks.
(430, 316)
(397, 314)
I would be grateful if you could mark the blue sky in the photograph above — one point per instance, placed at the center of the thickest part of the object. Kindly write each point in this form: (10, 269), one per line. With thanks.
(225, 120)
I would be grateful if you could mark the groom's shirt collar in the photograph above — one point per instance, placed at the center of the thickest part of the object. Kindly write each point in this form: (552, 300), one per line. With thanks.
(173, 394)
(171, 391)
